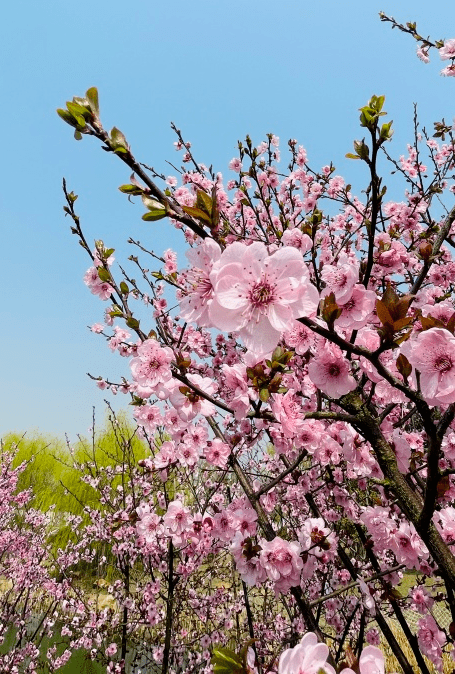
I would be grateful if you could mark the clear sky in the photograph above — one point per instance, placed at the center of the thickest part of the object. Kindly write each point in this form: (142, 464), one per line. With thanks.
(219, 69)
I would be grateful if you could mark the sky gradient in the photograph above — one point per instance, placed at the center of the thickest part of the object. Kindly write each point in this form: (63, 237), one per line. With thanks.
(219, 70)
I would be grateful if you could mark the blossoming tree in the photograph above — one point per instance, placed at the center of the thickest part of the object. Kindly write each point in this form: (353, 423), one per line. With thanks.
(307, 377)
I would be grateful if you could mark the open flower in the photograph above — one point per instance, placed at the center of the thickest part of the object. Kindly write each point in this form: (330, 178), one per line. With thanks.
(433, 355)
(329, 371)
(308, 657)
(258, 295)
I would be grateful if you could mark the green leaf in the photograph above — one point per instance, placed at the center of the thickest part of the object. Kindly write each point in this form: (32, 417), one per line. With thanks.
(103, 274)
(204, 202)
(264, 394)
(362, 149)
(67, 117)
(349, 155)
(225, 661)
(197, 213)
(152, 204)
(108, 252)
(92, 97)
(156, 210)
(79, 113)
(132, 323)
(124, 288)
(77, 135)
(130, 189)
(118, 141)
(154, 215)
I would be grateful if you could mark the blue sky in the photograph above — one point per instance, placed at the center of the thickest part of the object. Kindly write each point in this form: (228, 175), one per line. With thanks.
(219, 70)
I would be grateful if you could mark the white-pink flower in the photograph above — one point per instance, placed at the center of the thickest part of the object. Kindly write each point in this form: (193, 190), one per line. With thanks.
(371, 662)
(217, 452)
(341, 278)
(235, 389)
(308, 657)
(431, 639)
(195, 304)
(329, 371)
(433, 355)
(282, 562)
(177, 519)
(447, 51)
(151, 367)
(357, 309)
(258, 295)
(189, 403)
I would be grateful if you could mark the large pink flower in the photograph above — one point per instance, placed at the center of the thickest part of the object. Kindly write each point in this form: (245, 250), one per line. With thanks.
(258, 295)
(308, 657)
(433, 355)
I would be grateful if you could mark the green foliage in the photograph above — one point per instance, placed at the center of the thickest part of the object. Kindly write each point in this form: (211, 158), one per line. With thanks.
(53, 472)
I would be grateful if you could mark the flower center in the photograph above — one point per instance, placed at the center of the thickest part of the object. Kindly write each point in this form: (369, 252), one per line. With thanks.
(333, 370)
(443, 364)
(262, 294)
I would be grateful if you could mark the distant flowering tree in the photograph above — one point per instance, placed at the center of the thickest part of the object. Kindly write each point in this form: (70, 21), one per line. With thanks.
(306, 383)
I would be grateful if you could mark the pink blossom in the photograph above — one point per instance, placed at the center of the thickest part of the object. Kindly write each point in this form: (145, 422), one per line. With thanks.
(97, 287)
(341, 278)
(151, 366)
(148, 526)
(372, 637)
(299, 337)
(258, 294)
(177, 520)
(422, 54)
(217, 452)
(246, 521)
(297, 239)
(235, 389)
(188, 403)
(421, 600)
(282, 562)
(308, 657)
(195, 304)
(187, 454)
(446, 521)
(447, 51)
(149, 417)
(287, 409)
(431, 640)
(329, 371)
(224, 525)
(249, 567)
(449, 71)
(357, 309)
(433, 355)
(235, 165)
(314, 534)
